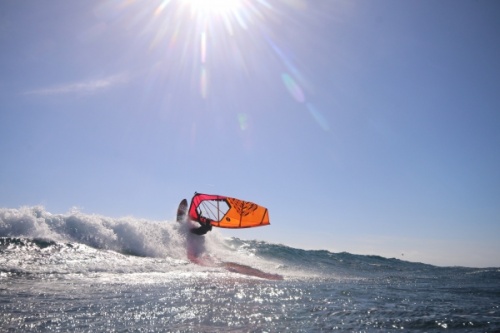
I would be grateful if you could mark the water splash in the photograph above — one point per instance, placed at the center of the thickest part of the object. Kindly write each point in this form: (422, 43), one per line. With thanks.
(34, 240)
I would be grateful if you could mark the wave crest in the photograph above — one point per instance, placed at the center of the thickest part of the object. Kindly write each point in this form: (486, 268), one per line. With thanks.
(127, 235)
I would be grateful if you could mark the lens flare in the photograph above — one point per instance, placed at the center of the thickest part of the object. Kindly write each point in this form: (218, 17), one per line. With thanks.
(318, 117)
(293, 88)
(243, 121)
(203, 83)
(208, 48)
(203, 47)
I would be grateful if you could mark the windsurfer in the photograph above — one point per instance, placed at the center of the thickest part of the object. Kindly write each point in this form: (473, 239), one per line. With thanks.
(205, 227)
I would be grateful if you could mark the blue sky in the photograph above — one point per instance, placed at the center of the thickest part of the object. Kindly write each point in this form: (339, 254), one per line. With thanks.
(370, 127)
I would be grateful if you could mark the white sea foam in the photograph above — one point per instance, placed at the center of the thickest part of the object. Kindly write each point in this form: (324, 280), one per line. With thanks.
(125, 235)
(94, 243)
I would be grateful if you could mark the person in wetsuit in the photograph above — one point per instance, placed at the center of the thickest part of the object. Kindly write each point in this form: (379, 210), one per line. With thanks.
(205, 227)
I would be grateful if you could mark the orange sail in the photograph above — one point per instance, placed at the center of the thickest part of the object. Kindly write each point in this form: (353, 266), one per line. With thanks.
(226, 212)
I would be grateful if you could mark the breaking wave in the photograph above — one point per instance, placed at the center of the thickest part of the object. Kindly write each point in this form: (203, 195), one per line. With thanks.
(34, 241)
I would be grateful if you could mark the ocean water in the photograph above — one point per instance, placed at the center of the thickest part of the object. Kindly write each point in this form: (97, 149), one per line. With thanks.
(88, 273)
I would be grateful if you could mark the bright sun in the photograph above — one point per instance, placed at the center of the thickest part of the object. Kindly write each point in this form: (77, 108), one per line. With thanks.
(214, 5)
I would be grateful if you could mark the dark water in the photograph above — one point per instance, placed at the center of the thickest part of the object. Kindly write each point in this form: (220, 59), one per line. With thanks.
(84, 273)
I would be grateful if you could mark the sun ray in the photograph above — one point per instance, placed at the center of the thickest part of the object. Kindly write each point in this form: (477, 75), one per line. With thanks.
(210, 47)
(214, 6)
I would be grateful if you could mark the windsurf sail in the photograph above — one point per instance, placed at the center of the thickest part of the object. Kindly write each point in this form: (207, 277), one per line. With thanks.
(226, 212)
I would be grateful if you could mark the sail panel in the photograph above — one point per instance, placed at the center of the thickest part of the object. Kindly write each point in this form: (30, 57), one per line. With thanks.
(226, 212)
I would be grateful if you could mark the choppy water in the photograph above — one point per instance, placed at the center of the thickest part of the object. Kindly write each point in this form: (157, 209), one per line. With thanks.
(80, 273)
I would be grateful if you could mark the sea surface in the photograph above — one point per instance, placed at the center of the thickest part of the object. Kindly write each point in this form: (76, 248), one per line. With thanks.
(88, 273)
